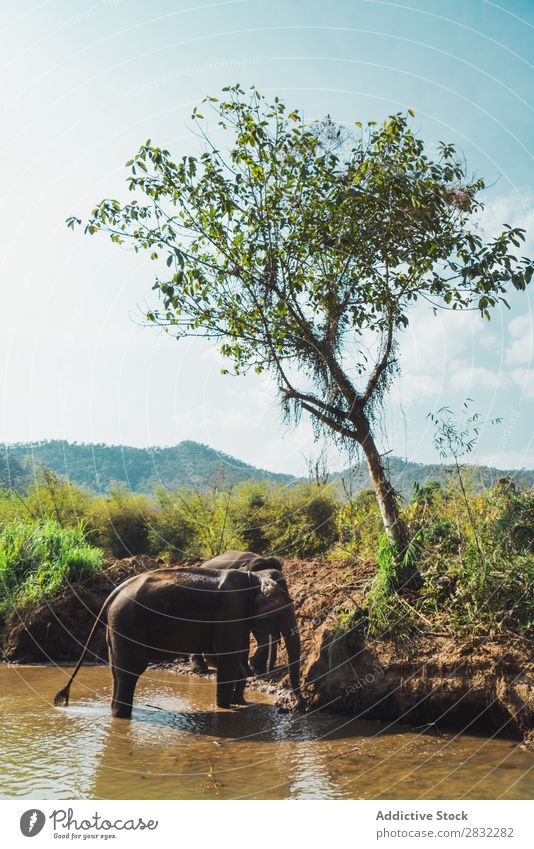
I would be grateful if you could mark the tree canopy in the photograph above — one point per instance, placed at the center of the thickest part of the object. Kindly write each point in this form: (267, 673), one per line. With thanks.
(292, 242)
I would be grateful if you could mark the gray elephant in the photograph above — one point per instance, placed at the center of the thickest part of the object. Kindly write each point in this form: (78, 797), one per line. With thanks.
(264, 658)
(161, 614)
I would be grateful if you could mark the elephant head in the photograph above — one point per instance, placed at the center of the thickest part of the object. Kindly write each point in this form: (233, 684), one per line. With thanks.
(260, 563)
(274, 610)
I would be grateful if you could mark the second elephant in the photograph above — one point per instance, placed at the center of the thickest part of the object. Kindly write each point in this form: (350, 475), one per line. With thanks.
(264, 658)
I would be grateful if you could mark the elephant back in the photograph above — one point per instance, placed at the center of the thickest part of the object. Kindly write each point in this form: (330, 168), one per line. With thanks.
(244, 560)
(262, 564)
(232, 559)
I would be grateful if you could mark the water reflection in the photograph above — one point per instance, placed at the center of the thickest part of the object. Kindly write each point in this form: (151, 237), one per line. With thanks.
(178, 747)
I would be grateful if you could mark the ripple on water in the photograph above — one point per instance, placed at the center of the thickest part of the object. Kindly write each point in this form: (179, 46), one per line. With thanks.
(178, 746)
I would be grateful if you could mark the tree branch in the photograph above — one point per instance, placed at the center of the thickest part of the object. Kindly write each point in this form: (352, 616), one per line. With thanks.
(381, 366)
(344, 431)
(311, 399)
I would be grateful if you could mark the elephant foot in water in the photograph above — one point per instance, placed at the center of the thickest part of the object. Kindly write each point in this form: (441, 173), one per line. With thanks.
(234, 703)
(199, 665)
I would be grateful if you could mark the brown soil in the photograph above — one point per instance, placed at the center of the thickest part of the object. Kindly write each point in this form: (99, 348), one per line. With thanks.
(448, 681)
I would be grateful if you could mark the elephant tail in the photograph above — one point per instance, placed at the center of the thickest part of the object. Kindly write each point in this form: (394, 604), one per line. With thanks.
(62, 696)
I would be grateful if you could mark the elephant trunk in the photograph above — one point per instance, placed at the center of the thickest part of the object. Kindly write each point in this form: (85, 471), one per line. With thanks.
(292, 642)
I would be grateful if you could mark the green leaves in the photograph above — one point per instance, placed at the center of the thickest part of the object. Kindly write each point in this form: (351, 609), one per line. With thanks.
(290, 240)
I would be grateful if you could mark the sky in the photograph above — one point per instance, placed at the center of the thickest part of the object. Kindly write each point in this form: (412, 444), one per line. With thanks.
(85, 83)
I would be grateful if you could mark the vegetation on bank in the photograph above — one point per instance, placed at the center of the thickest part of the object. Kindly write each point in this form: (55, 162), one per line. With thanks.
(474, 549)
(37, 559)
(475, 552)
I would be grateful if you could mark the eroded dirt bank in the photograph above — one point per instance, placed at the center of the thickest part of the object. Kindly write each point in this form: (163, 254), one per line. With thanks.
(452, 682)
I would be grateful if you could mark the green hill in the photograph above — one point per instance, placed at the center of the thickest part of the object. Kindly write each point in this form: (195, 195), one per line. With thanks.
(405, 472)
(97, 466)
(13, 474)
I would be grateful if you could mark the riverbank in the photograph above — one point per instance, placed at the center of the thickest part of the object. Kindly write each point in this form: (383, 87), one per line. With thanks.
(437, 679)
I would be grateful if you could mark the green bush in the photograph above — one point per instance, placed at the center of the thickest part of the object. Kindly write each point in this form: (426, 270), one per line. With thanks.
(121, 523)
(9, 509)
(49, 496)
(209, 513)
(38, 559)
(173, 532)
(251, 515)
(54, 497)
(300, 520)
(477, 560)
(359, 526)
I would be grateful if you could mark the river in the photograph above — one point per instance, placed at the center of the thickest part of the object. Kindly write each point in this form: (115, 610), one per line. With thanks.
(177, 746)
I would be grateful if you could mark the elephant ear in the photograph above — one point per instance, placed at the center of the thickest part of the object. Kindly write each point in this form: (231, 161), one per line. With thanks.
(268, 586)
(271, 599)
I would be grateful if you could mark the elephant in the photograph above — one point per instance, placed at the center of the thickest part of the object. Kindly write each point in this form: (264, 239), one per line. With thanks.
(264, 659)
(158, 615)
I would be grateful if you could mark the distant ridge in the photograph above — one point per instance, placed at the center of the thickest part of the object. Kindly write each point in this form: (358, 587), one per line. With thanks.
(98, 466)
(403, 474)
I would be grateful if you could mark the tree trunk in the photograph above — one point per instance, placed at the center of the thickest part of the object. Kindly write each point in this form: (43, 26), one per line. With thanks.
(396, 531)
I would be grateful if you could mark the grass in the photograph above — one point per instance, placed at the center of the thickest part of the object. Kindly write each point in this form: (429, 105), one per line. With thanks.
(476, 565)
(38, 559)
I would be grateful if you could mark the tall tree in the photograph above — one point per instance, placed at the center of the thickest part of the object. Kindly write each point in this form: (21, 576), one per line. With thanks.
(295, 244)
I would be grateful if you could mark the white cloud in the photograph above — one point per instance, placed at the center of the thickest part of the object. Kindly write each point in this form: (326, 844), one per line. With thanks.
(468, 377)
(524, 378)
(515, 210)
(520, 350)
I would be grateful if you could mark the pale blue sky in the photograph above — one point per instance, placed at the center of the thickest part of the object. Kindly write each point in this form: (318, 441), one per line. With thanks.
(84, 83)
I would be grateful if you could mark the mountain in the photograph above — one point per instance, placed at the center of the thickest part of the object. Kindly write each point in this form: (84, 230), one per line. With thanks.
(403, 474)
(13, 474)
(96, 466)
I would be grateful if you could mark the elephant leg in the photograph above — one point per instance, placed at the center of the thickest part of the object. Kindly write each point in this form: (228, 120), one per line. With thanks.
(113, 673)
(258, 662)
(264, 659)
(226, 680)
(126, 667)
(122, 704)
(199, 665)
(240, 684)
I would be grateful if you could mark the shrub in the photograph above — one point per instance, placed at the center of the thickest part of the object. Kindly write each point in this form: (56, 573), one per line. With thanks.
(173, 531)
(54, 497)
(301, 520)
(121, 522)
(478, 566)
(209, 512)
(38, 559)
(359, 525)
(251, 515)
(9, 509)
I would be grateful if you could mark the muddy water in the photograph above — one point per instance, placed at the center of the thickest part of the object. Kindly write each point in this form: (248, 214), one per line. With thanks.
(179, 747)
